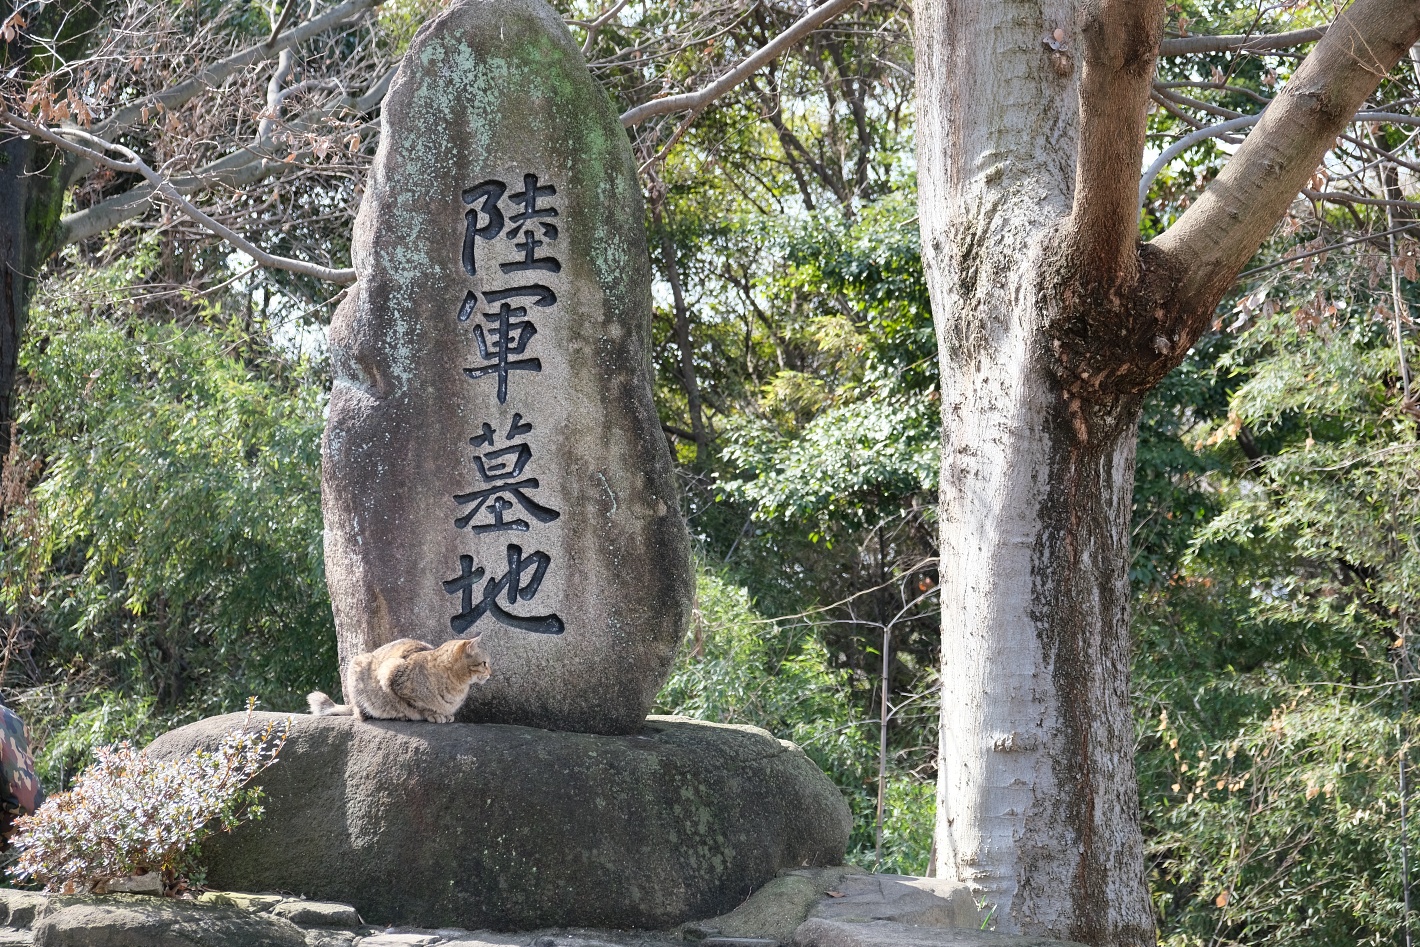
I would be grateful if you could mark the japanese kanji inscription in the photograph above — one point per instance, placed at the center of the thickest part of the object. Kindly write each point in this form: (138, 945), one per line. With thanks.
(502, 502)
(493, 462)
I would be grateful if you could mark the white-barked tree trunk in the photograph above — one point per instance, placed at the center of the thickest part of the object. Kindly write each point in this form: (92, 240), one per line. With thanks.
(1053, 322)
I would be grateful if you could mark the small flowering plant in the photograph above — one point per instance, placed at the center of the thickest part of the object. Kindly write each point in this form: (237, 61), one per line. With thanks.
(129, 814)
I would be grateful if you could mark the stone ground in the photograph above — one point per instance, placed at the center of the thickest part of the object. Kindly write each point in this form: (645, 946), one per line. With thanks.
(822, 907)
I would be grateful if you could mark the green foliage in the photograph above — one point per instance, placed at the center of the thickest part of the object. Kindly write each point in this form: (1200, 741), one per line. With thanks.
(1277, 622)
(1283, 833)
(71, 730)
(130, 813)
(165, 552)
(858, 434)
(737, 667)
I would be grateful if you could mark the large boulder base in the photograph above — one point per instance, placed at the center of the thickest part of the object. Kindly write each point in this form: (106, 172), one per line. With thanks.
(887, 911)
(512, 828)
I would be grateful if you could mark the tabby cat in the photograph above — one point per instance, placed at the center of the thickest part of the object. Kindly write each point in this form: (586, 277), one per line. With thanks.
(409, 679)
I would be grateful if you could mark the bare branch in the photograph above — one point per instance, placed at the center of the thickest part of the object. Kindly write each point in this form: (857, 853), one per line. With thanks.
(1190, 102)
(236, 170)
(595, 27)
(283, 22)
(1218, 86)
(1340, 197)
(241, 168)
(1175, 111)
(274, 96)
(805, 25)
(220, 71)
(1326, 249)
(1215, 237)
(1187, 142)
(93, 149)
(1253, 43)
(1247, 121)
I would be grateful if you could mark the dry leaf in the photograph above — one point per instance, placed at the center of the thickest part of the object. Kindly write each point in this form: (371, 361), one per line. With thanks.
(12, 26)
(1221, 900)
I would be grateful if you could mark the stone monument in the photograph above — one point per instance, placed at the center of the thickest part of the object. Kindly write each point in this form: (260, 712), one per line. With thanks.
(494, 465)
(493, 462)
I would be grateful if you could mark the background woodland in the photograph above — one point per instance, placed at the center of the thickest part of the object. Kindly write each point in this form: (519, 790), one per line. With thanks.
(160, 558)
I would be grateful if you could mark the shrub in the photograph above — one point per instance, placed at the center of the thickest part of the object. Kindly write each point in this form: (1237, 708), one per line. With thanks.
(129, 813)
(160, 553)
(738, 667)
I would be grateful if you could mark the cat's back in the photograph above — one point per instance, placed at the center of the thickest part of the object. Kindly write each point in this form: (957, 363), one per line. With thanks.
(438, 680)
(370, 674)
(387, 656)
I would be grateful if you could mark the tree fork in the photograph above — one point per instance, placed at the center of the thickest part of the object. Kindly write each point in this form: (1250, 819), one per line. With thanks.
(1053, 322)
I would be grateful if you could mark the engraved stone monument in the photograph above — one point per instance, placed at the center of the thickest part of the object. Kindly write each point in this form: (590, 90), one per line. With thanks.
(493, 463)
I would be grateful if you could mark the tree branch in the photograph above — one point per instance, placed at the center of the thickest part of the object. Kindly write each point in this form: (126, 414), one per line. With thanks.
(1214, 238)
(1119, 42)
(805, 25)
(93, 149)
(1340, 197)
(595, 27)
(238, 169)
(1248, 43)
(1187, 142)
(1247, 121)
(220, 71)
(1174, 110)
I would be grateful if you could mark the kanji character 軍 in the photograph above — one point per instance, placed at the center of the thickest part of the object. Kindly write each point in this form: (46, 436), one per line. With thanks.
(508, 334)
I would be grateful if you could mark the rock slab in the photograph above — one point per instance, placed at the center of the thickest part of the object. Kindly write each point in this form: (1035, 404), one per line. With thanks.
(154, 922)
(819, 932)
(493, 461)
(510, 828)
(903, 899)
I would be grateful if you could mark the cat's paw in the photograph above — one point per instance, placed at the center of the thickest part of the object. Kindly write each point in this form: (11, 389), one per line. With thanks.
(440, 718)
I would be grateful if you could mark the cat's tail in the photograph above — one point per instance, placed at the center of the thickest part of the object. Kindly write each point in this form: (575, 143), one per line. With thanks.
(323, 706)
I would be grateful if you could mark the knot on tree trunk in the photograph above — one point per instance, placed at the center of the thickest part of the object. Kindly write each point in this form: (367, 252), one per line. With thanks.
(1111, 342)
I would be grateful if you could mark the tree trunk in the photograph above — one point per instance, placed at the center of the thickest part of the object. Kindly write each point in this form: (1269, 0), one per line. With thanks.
(682, 338)
(1038, 806)
(1053, 321)
(32, 184)
(1037, 802)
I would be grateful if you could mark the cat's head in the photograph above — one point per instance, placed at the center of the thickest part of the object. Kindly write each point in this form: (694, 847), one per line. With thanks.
(474, 661)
